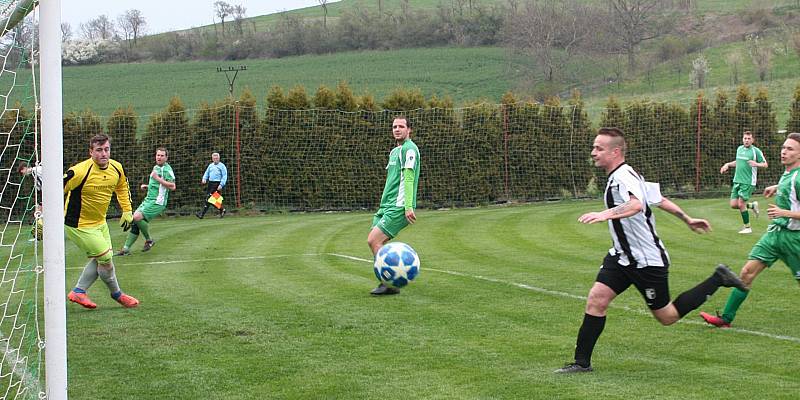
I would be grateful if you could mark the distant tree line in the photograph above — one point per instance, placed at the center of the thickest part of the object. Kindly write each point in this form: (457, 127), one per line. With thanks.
(540, 28)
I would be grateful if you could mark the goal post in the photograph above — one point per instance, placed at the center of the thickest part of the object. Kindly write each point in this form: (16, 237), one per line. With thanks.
(53, 200)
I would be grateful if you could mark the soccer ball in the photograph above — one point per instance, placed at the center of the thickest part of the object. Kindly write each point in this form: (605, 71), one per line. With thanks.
(396, 264)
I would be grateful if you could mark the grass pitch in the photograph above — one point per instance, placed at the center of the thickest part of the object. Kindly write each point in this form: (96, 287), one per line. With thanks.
(278, 307)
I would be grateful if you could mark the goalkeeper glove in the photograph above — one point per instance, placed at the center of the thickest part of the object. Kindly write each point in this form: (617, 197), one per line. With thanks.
(126, 220)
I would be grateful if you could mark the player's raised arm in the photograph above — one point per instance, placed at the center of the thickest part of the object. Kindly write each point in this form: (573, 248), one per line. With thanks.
(695, 224)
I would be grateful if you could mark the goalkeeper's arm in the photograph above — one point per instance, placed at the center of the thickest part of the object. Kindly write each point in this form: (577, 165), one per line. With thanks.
(408, 188)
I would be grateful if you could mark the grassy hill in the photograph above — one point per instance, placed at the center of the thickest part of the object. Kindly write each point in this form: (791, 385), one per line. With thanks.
(464, 74)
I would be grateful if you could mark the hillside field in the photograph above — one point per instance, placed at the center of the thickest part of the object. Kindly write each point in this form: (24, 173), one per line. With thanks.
(464, 74)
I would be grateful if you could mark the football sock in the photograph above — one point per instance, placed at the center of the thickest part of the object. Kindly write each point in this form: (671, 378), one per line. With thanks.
(735, 300)
(88, 276)
(144, 226)
(109, 276)
(588, 334)
(130, 240)
(694, 297)
(746, 218)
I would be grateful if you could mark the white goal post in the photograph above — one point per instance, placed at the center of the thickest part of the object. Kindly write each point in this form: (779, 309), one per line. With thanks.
(53, 200)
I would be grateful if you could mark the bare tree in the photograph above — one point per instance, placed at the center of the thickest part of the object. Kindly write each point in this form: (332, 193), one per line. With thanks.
(98, 28)
(239, 14)
(760, 54)
(549, 32)
(513, 5)
(796, 42)
(132, 25)
(734, 61)
(66, 32)
(223, 10)
(324, 4)
(633, 22)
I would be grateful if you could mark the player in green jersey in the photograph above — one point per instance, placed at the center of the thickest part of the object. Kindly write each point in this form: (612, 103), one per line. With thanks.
(399, 197)
(782, 239)
(748, 159)
(161, 182)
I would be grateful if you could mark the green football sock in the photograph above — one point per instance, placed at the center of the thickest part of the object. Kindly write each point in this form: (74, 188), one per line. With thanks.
(735, 300)
(130, 240)
(144, 226)
(746, 218)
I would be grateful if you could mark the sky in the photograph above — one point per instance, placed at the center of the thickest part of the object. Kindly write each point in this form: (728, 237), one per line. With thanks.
(169, 15)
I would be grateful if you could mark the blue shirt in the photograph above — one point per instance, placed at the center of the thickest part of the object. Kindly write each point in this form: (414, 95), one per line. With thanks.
(216, 173)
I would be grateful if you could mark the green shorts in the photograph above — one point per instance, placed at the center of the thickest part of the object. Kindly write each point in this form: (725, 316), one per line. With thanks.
(150, 210)
(742, 190)
(94, 241)
(779, 244)
(390, 220)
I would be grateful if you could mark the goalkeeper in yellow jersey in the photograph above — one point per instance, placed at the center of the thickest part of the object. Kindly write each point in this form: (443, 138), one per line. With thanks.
(88, 187)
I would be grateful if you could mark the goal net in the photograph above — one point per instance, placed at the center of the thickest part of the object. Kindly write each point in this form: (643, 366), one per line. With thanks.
(21, 272)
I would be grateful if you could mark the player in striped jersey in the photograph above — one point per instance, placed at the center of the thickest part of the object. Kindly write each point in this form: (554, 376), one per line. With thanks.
(638, 256)
(782, 239)
(748, 159)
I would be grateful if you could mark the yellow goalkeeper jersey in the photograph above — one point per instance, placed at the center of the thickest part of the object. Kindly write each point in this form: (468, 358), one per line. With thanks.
(87, 193)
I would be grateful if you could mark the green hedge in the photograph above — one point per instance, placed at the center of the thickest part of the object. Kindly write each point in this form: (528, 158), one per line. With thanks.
(329, 151)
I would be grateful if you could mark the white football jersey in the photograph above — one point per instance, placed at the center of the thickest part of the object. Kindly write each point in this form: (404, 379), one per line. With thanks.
(634, 238)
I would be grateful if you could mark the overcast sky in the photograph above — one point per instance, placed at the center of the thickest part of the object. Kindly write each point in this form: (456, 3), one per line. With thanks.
(169, 15)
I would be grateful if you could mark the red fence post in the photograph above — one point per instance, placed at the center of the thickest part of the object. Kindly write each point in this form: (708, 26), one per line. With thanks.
(505, 151)
(238, 159)
(697, 149)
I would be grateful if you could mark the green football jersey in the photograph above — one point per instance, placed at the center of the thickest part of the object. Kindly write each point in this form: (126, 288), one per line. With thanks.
(405, 156)
(787, 198)
(156, 192)
(744, 172)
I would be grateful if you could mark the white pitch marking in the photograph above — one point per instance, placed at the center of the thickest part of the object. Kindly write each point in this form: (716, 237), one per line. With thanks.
(582, 298)
(478, 277)
(213, 259)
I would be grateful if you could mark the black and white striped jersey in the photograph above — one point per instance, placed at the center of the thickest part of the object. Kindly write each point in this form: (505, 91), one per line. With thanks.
(634, 238)
(36, 173)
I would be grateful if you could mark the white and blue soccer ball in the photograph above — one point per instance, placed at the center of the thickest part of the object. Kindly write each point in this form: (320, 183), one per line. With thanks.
(396, 264)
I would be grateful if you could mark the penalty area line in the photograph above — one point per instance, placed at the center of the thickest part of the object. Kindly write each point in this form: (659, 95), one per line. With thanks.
(577, 297)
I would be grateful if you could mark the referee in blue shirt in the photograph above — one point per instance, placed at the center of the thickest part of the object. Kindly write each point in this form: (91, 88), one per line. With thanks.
(216, 176)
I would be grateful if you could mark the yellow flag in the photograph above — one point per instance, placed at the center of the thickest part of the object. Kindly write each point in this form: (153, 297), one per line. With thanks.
(215, 199)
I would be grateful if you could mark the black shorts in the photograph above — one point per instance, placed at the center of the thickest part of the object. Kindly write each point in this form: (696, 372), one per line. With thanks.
(651, 282)
(212, 187)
